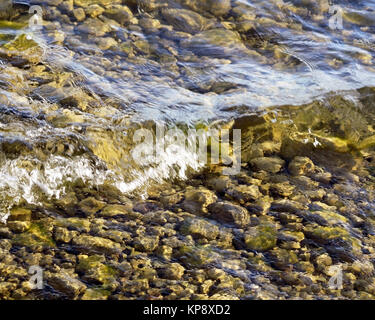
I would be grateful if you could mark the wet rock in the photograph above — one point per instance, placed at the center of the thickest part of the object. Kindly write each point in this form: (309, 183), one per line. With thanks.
(283, 259)
(261, 238)
(63, 235)
(94, 27)
(322, 177)
(5, 233)
(164, 252)
(6, 288)
(219, 184)
(286, 205)
(284, 189)
(301, 166)
(96, 294)
(323, 261)
(197, 256)
(214, 42)
(106, 43)
(66, 6)
(136, 286)
(146, 206)
(21, 51)
(184, 20)
(315, 195)
(94, 268)
(113, 210)
(197, 200)
(5, 9)
(146, 243)
(244, 193)
(149, 24)
(94, 10)
(18, 226)
(96, 244)
(268, 164)
(38, 234)
(78, 224)
(90, 206)
(290, 239)
(173, 271)
(200, 228)
(104, 3)
(142, 46)
(79, 14)
(65, 283)
(20, 214)
(168, 198)
(224, 296)
(68, 203)
(260, 206)
(119, 13)
(228, 212)
(337, 241)
(216, 7)
(360, 268)
(305, 266)
(331, 217)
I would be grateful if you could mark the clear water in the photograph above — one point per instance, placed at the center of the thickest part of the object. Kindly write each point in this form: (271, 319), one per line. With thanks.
(290, 56)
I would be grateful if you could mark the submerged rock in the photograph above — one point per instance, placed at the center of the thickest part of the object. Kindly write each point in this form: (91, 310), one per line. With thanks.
(119, 13)
(244, 193)
(65, 283)
(38, 234)
(261, 238)
(185, 20)
(21, 51)
(146, 243)
(95, 269)
(90, 206)
(96, 244)
(214, 42)
(228, 212)
(301, 166)
(216, 7)
(197, 201)
(173, 271)
(268, 164)
(200, 228)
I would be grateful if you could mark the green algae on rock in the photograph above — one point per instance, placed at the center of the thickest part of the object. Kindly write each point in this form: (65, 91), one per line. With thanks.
(261, 238)
(36, 235)
(23, 50)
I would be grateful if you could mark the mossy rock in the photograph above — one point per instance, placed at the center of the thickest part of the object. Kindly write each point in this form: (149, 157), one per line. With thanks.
(261, 238)
(325, 234)
(96, 294)
(36, 235)
(94, 269)
(78, 224)
(21, 43)
(22, 50)
(331, 217)
(197, 256)
(20, 214)
(258, 262)
(12, 25)
(283, 258)
(360, 18)
(87, 3)
(294, 235)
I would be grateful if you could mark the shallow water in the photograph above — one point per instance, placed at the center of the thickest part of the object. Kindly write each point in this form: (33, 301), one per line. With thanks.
(289, 75)
(260, 54)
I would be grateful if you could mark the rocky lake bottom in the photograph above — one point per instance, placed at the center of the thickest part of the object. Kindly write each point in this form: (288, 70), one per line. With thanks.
(300, 212)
